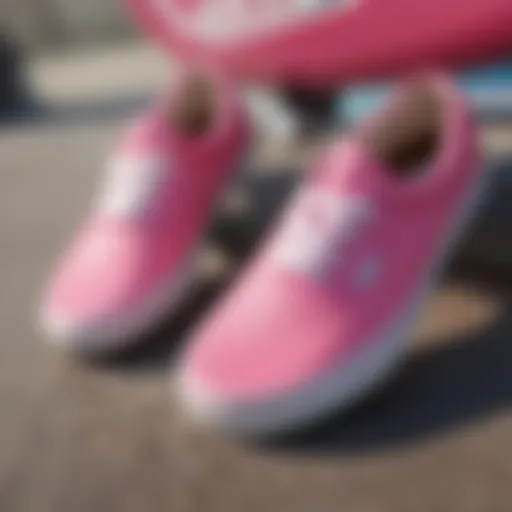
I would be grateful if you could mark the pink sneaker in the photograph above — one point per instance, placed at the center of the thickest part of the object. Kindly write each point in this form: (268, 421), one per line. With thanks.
(322, 313)
(131, 261)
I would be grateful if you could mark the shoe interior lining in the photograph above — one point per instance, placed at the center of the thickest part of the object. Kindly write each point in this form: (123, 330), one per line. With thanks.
(407, 138)
(195, 108)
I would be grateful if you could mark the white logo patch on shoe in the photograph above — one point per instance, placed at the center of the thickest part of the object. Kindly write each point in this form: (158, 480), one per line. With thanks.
(319, 225)
(132, 184)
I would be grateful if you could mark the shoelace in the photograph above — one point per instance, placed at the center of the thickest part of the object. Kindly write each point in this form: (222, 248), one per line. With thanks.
(131, 185)
(320, 226)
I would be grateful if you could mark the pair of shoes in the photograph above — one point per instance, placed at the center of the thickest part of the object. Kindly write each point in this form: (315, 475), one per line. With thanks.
(321, 313)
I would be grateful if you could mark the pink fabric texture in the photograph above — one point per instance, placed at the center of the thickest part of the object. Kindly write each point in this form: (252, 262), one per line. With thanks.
(303, 308)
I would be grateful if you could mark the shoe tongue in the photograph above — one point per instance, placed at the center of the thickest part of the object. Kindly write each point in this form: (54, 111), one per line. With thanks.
(155, 135)
(146, 136)
(350, 169)
(138, 169)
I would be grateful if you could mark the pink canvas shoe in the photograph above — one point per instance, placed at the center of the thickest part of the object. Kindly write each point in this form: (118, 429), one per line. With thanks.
(132, 259)
(322, 313)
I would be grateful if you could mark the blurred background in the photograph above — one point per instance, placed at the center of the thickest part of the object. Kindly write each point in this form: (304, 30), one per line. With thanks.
(107, 437)
(51, 23)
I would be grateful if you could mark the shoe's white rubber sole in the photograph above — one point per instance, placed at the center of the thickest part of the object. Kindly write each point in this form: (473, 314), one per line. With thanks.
(346, 383)
(115, 333)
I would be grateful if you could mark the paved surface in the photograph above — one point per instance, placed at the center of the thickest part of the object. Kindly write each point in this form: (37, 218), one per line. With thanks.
(107, 437)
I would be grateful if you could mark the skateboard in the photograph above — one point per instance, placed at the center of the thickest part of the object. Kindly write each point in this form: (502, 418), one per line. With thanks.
(324, 44)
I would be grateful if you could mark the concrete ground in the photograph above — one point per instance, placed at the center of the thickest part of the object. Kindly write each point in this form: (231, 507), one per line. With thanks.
(107, 437)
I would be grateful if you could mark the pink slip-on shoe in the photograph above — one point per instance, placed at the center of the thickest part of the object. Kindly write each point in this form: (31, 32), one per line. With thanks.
(321, 314)
(133, 258)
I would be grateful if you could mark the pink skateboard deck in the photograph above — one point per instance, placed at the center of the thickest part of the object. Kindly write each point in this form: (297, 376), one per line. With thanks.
(327, 43)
